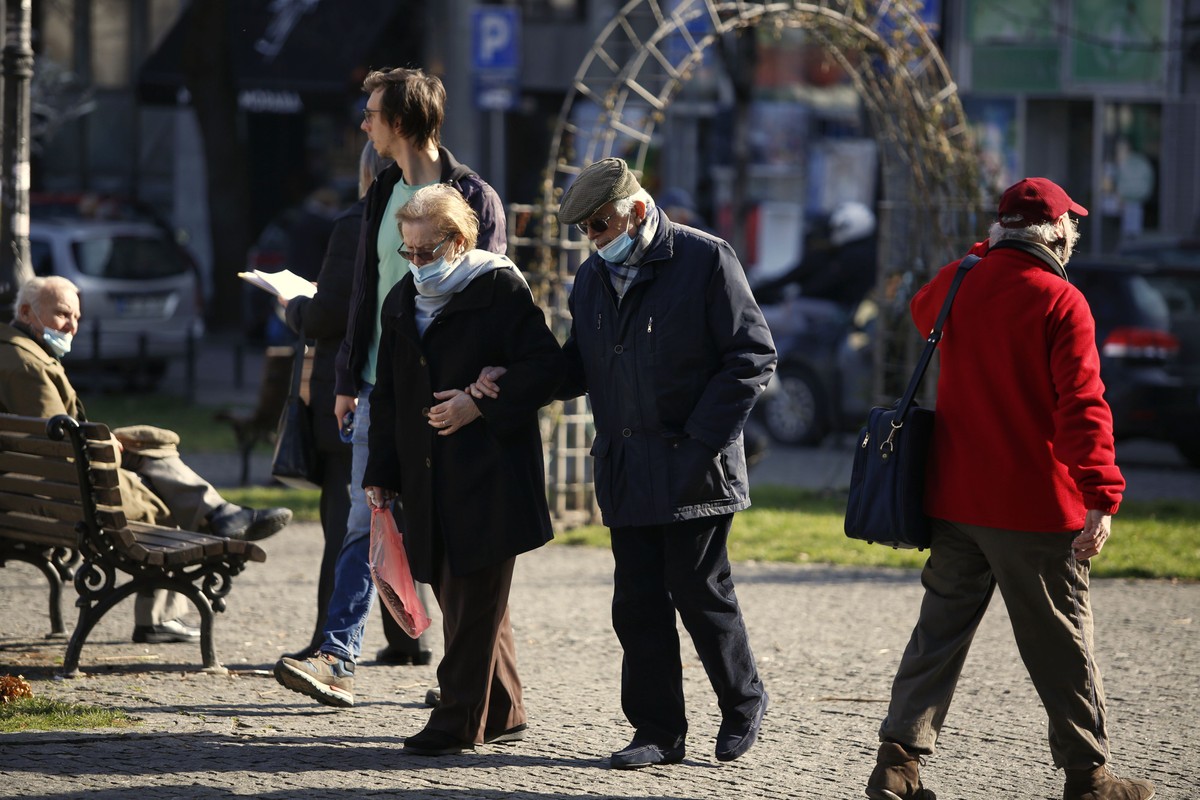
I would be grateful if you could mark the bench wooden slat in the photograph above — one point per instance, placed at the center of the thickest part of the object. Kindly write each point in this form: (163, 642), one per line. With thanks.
(35, 484)
(102, 452)
(42, 507)
(63, 471)
(104, 477)
(97, 431)
(26, 528)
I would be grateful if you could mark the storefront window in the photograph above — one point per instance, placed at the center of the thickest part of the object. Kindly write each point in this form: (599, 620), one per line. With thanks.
(1129, 182)
(110, 43)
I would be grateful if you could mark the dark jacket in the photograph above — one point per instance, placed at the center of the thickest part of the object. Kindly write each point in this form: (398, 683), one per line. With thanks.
(323, 317)
(481, 488)
(672, 374)
(361, 324)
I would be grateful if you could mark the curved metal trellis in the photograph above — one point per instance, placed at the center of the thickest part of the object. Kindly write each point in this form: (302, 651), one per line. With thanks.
(930, 200)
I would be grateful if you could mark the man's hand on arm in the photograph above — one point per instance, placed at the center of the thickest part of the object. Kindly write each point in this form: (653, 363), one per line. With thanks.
(486, 384)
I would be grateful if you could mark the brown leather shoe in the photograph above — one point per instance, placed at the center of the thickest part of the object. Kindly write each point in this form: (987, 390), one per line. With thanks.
(1097, 783)
(897, 775)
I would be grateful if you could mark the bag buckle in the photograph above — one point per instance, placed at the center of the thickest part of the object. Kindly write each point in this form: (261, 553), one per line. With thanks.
(888, 447)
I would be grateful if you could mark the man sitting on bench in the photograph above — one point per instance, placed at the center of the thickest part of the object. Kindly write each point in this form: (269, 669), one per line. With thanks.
(160, 489)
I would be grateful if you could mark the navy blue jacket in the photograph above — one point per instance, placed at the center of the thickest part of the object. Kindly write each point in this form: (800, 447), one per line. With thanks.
(360, 327)
(672, 374)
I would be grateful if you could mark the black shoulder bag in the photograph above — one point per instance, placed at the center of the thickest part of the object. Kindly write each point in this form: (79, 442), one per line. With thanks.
(887, 482)
(296, 462)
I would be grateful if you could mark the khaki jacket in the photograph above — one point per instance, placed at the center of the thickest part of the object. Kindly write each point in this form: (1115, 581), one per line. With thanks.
(33, 383)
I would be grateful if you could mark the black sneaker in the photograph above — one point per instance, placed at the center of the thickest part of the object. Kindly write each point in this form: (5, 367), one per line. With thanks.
(238, 522)
(644, 753)
(435, 743)
(173, 630)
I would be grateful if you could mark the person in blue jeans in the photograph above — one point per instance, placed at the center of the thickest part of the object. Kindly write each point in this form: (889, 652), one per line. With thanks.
(403, 119)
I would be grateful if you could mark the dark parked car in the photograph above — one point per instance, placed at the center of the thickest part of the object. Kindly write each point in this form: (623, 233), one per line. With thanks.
(1147, 322)
(823, 380)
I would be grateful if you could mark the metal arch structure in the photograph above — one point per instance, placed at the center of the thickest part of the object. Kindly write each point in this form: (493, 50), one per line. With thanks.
(647, 53)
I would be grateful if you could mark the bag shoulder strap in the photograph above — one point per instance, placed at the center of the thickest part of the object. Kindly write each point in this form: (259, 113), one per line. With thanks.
(935, 336)
(298, 366)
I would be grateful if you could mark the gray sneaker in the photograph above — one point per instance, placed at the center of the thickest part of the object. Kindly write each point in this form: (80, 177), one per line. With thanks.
(325, 678)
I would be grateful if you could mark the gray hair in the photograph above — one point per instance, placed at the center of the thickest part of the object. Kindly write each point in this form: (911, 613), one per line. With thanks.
(1043, 233)
(33, 290)
(625, 205)
(370, 164)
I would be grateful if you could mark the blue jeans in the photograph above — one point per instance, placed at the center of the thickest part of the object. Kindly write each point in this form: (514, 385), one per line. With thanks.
(353, 589)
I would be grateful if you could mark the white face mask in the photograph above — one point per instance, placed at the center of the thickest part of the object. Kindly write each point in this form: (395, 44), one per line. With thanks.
(58, 342)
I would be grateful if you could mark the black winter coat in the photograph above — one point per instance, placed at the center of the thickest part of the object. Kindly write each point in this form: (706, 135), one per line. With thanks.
(672, 374)
(323, 317)
(481, 488)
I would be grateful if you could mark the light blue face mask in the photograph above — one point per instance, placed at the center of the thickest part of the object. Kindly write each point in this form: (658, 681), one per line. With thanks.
(616, 251)
(431, 271)
(58, 342)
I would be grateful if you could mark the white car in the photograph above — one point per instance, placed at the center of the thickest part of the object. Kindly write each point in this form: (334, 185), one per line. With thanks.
(139, 293)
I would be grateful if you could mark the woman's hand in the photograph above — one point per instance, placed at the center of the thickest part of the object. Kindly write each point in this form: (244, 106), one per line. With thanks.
(456, 411)
(378, 497)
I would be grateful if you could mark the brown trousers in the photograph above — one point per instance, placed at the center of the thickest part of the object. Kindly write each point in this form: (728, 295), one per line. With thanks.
(478, 672)
(1046, 593)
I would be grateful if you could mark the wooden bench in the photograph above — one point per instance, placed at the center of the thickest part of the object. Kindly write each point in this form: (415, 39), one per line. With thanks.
(252, 427)
(60, 510)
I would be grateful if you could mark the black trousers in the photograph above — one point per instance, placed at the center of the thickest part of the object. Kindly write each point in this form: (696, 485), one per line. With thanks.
(684, 567)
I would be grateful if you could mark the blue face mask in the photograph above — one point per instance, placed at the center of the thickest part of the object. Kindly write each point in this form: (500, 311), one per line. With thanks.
(58, 342)
(433, 271)
(616, 251)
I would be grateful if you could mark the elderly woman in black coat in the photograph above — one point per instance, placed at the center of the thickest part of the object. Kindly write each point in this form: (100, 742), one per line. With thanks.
(468, 471)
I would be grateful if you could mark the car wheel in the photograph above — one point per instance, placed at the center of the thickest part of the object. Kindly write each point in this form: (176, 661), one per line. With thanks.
(1189, 448)
(795, 413)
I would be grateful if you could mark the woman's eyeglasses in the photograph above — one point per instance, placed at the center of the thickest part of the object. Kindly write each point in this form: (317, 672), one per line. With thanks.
(424, 256)
(597, 225)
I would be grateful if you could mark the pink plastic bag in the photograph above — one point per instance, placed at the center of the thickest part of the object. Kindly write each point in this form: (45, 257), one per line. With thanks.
(392, 576)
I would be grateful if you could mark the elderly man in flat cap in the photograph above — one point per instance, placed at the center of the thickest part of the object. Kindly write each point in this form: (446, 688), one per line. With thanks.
(1022, 486)
(673, 351)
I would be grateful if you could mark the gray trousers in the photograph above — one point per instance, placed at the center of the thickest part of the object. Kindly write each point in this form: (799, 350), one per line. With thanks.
(1046, 593)
(189, 497)
(190, 500)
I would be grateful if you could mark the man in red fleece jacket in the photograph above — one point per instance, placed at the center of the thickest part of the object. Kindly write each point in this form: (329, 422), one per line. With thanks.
(1022, 486)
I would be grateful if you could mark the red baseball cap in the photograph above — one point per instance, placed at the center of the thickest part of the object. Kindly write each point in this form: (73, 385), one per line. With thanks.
(1036, 200)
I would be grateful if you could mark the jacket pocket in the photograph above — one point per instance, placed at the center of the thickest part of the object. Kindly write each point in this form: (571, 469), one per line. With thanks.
(602, 469)
(696, 473)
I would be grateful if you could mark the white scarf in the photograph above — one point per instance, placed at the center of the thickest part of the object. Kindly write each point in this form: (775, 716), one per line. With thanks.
(432, 296)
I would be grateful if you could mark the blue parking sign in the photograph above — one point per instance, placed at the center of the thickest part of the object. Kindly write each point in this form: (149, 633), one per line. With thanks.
(495, 38)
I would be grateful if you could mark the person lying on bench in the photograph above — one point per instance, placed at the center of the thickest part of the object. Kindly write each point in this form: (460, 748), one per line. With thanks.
(159, 488)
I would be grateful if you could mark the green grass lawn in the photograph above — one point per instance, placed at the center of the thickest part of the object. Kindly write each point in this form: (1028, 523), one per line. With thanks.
(1150, 539)
(198, 431)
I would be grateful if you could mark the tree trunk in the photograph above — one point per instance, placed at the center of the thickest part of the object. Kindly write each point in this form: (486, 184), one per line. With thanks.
(208, 72)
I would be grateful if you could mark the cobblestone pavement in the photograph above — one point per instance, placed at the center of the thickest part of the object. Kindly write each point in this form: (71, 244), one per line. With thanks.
(827, 641)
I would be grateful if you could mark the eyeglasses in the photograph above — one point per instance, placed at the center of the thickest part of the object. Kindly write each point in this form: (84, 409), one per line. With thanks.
(597, 225)
(367, 112)
(424, 256)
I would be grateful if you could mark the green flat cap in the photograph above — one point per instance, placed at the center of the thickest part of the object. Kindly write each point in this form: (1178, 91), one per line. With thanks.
(605, 180)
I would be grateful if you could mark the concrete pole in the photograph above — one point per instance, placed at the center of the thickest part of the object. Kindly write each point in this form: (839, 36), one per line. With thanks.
(15, 268)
